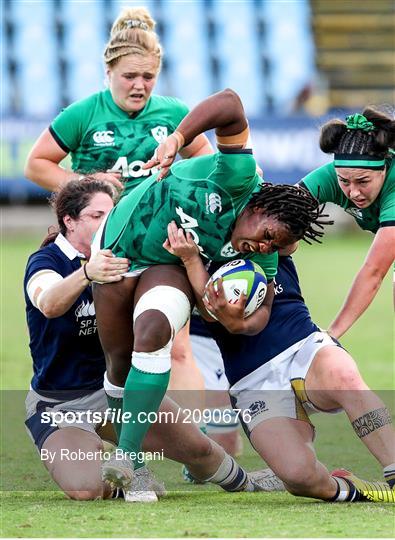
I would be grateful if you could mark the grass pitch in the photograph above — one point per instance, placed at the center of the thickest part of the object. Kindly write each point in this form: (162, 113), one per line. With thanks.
(31, 505)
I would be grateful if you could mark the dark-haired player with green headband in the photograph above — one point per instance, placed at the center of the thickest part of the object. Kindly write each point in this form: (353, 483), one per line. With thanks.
(361, 180)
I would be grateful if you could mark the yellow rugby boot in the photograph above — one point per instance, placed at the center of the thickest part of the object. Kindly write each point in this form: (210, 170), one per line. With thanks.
(368, 491)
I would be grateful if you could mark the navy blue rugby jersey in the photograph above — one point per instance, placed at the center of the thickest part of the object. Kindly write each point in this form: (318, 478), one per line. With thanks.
(289, 323)
(66, 350)
(198, 327)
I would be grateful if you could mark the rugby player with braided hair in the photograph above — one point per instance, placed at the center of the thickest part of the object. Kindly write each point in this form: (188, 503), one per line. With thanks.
(208, 197)
(295, 211)
(361, 180)
(294, 206)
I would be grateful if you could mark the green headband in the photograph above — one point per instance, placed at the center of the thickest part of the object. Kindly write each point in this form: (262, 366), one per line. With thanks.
(359, 161)
(359, 121)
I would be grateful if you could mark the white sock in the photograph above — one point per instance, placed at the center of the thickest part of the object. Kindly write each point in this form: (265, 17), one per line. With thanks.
(389, 474)
(112, 390)
(230, 476)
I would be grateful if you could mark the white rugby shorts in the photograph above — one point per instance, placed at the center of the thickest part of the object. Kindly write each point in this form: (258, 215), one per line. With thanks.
(209, 360)
(277, 388)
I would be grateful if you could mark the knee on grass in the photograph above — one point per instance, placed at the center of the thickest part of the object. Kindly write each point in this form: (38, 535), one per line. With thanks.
(88, 494)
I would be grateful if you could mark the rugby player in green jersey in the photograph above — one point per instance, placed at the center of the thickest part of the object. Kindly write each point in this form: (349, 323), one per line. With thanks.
(361, 180)
(220, 201)
(112, 133)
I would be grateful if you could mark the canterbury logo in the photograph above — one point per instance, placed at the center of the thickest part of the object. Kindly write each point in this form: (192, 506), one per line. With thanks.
(103, 138)
(213, 203)
(85, 309)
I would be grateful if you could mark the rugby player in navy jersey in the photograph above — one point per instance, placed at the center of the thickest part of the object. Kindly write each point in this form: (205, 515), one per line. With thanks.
(68, 362)
(67, 357)
(282, 374)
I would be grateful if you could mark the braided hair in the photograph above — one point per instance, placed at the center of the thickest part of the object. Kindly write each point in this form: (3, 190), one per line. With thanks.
(335, 138)
(295, 207)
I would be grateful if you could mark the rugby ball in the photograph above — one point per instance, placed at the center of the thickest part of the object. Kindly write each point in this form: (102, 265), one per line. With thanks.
(242, 276)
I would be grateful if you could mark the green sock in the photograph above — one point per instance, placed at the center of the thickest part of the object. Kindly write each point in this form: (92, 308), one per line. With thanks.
(143, 393)
(116, 405)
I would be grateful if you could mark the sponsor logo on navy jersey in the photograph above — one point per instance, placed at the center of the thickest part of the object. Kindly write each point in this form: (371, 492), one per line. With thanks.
(85, 317)
(278, 288)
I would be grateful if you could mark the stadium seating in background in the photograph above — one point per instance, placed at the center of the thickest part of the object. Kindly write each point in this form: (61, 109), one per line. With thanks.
(155, 9)
(52, 55)
(263, 49)
(35, 49)
(84, 41)
(113, 8)
(290, 50)
(186, 50)
(355, 50)
(5, 87)
(236, 45)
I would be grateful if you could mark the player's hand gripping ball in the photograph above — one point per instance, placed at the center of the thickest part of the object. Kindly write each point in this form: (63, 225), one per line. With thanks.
(242, 276)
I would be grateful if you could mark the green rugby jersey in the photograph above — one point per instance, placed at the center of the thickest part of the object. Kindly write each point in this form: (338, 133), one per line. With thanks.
(203, 195)
(323, 182)
(100, 136)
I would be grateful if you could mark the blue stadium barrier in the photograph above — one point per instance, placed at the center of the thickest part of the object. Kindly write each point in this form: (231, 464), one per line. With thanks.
(286, 149)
